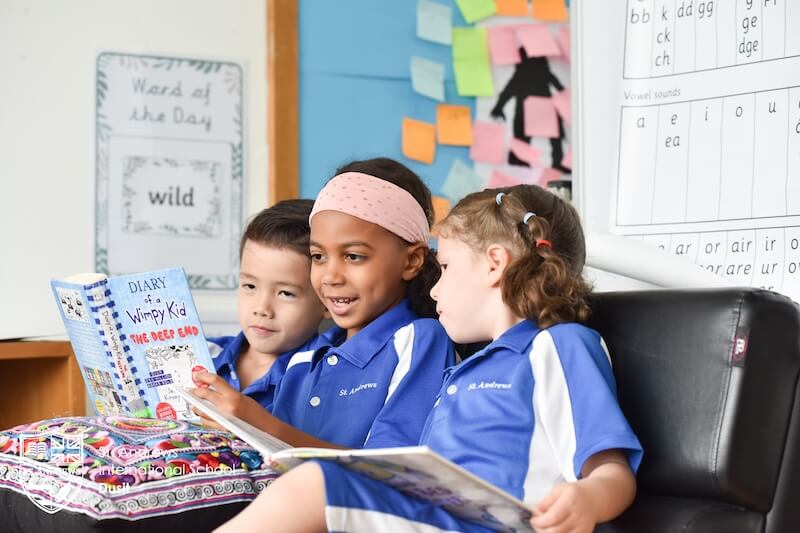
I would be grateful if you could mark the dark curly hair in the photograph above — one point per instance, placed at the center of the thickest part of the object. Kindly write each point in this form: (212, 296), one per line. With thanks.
(398, 174)
(543, 283)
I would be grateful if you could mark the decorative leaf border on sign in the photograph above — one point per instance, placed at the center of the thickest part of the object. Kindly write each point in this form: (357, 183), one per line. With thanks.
(233, 79)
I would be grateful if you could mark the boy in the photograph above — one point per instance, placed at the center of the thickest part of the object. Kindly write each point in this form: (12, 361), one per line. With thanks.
(279, 312)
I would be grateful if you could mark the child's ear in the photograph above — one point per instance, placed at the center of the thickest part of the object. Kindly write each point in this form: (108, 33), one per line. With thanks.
(498, 258)
(415, 260)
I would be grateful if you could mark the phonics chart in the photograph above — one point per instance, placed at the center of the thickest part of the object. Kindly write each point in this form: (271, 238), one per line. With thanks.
(693, 124)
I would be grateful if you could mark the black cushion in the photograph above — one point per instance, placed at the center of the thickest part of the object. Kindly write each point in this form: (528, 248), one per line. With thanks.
(707, 379)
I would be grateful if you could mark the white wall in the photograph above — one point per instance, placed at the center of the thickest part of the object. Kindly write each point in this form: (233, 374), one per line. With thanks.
(47, 50)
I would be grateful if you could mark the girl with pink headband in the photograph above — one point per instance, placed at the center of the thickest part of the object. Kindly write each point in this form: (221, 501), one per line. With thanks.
(374, 378)
(374, 385)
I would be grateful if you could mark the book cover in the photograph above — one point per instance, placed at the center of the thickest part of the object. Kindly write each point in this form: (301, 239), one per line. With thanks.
(414, 470)
(134, 336)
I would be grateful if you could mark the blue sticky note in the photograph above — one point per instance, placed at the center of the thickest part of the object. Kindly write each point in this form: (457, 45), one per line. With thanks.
(427, 78)
(434, 22)
(461, 181)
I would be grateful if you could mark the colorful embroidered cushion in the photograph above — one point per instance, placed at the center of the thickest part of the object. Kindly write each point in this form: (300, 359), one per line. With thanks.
(90, 472)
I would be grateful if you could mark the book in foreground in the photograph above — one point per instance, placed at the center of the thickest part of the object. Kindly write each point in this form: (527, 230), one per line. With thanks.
(134, 337)
(414, 470)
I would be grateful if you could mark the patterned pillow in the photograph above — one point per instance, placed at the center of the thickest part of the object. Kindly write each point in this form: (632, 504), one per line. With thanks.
(118, 473)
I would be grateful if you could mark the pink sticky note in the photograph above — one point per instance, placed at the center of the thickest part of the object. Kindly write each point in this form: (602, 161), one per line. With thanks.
(541, 119)
(488, 143)
(537, 40)
(524, 151)
(562, 105)
(563, 40)
(567, 161)
(549, 174)
(503, 45)
(498, 179)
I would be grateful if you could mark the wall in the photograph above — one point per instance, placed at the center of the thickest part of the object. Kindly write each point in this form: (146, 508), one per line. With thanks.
(46, 133)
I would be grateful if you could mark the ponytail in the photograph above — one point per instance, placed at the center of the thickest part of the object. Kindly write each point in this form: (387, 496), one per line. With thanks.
(544, 282)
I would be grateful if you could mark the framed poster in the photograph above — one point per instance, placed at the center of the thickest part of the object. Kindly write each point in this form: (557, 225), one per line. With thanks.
(169, 166)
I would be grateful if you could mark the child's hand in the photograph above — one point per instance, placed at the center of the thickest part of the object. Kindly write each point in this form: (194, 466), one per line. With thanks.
(224, 397)
(567, 507)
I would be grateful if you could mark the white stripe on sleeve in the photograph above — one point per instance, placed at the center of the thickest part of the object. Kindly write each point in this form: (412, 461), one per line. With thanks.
(553, 444)
(404, 346)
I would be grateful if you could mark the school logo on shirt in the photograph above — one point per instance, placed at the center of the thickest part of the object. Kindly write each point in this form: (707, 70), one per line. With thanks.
(359, 388)
(491, 385)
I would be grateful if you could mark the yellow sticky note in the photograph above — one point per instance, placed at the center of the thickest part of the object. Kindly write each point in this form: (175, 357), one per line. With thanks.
(512, 8)
(441, 206)
(419, 140)
(453, 125)
(550, 10)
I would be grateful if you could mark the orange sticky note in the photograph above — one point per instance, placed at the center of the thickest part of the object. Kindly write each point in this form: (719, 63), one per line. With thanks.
(441, 206)
(419, 140)
(550, 10)
(454, 125)
(512, 8)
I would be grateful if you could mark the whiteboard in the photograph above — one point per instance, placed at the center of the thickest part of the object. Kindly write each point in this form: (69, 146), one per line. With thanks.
(688, 131)
(47, 55)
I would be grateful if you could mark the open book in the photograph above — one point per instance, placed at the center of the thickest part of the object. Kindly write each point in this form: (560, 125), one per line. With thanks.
(414, 470)
(134, 336)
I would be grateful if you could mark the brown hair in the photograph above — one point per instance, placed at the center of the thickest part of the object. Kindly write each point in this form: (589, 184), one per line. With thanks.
(284, 225)
(419, 288)
(543, 283)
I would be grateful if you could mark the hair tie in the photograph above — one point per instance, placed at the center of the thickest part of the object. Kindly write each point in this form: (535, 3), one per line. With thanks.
(499, 198)
(544, 242)
(529, 215)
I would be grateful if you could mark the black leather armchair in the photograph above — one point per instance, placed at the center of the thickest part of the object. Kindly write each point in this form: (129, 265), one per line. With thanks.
(708, 380)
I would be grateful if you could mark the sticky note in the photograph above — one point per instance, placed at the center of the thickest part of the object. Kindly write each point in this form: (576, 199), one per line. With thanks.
(419, 140)
(512, 8)
(541, 119)
(461, 181)
(524, 151)
(453, 125)
(561, 101)
(474, 10)
(550, 174)
(498, 179)
(441, 206)
(567, 161)
(434, 22)
(503, 45)
(563, 40)
(550, 10)
(537, 40)
(427, 78)
(471, 62)
(488, 143)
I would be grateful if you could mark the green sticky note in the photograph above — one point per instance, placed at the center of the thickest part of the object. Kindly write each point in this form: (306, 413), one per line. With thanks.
(471, 62)
(473, 10)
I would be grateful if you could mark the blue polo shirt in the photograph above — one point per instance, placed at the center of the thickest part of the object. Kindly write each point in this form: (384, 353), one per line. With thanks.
(225, 353)
(527, 411)
(373, 390)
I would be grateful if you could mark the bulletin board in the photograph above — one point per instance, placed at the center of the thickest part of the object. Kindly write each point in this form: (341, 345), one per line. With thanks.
(368, 80)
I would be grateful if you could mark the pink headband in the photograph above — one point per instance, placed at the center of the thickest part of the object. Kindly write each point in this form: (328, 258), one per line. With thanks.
(374, 200)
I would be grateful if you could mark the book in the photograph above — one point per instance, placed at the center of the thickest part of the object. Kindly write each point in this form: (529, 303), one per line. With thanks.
(414, 470)
(134, 336)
